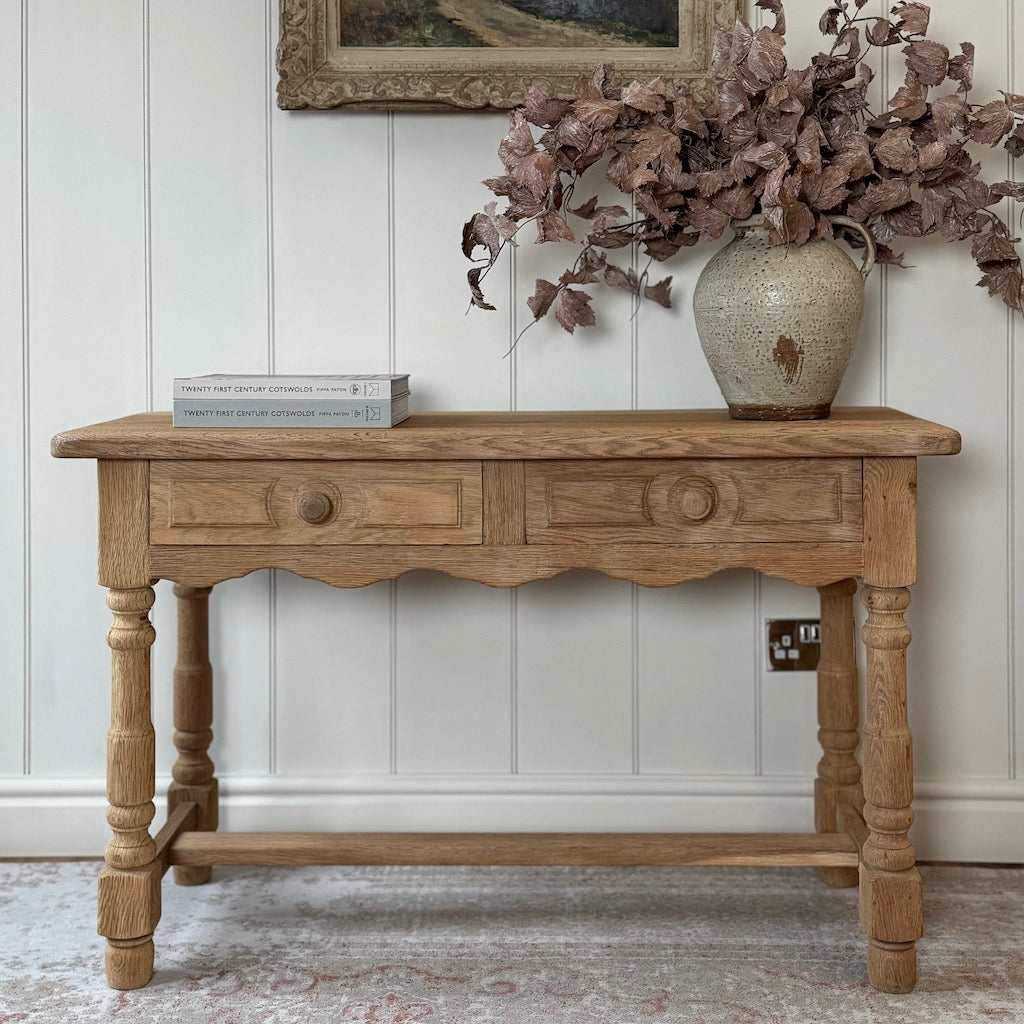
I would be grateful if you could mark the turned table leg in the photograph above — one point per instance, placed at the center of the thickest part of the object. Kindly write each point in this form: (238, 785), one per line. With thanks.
(890, 885)
(193, 716)
(129, 885)
(838, 780)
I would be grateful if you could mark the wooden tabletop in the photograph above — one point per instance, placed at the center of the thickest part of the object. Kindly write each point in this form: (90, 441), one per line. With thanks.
(689, 433)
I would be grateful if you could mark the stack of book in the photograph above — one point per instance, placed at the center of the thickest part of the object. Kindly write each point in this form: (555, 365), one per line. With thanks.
(363, 400)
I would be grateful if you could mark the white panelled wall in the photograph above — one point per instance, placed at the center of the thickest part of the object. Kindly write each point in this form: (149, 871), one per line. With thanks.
(159, 217)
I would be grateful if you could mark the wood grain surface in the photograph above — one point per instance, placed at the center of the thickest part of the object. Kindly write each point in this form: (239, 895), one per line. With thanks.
(689, 433)
(615, 849)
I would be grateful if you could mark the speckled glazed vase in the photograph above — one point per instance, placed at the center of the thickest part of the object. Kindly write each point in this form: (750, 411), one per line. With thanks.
(778, 323)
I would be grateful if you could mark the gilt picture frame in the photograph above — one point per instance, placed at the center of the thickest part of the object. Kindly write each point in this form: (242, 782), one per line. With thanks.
(323, 62)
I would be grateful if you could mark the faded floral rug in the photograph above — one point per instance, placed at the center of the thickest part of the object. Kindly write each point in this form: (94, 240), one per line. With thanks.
(510, 945)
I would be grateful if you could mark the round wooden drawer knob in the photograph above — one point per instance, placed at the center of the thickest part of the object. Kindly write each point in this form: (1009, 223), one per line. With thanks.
(694, 499)
(315, 507)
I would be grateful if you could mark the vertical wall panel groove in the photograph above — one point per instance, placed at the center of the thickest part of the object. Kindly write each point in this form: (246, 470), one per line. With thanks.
(273, 592)
(513, 678)
(392, 589)
(147, 201)
(26, 427)
(1015, 375)
(15, 425)
(1011, 575)
(757, 664)
(883, 336)
(392, 227)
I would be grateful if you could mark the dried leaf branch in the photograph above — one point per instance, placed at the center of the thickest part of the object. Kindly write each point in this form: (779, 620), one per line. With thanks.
(796, 145)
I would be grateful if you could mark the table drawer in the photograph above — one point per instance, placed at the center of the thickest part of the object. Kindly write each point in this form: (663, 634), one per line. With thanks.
(315, 503)
(692, 500)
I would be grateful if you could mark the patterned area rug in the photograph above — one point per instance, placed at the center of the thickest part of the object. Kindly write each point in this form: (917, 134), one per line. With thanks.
(510, 945)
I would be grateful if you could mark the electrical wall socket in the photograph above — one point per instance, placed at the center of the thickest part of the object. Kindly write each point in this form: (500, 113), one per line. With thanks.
(794, 645)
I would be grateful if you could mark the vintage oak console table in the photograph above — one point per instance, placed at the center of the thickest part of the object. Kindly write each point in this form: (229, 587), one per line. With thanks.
(503, 498)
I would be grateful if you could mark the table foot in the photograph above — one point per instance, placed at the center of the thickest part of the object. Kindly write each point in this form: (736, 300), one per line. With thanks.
(129, 962)
(892, 966)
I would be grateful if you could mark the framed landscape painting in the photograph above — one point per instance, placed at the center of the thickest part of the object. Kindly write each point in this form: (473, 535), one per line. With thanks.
(482, 54)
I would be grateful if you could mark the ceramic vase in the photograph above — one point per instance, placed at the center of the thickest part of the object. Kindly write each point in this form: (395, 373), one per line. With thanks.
(779, 323)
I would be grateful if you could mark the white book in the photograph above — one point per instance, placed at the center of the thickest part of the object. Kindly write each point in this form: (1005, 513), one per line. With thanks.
(277, 387)
(366, 414)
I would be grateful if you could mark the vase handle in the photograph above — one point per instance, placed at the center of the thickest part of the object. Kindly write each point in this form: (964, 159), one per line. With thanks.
(869, 242)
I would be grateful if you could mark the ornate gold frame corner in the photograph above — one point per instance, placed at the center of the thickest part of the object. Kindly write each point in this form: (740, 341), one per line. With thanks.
(316, 70)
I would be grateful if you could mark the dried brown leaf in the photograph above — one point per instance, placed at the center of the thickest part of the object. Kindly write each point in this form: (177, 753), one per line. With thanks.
(541, 109)
(826, 189)
(592, 86)
(887, 194)
(687, 116)
(739, 201)
(895, 150)
(662, 248)
(573, 310)
(911, 18)
(854, 157)
(850, 38)
(489, 229)
(765, 60)
(625, 280)
(586, 269)
(597, 114)
(1013, 189)
(927, 61)
(707, 219)
(536, 172)
(809, 143)
(660, 292)
(731, 99)
(935, 202)
(766, 156)
(654, 144)
(476, 295)
(904, 220)
(543, 295)
(991, 123)
(648, 97)
(552, 227)
(949, 114)
(791, 223)
(710, 182)
(828, 24)
(882, 32)
(1005, 281)
(909, 103)
(932, 155)
(991, 247)
(961, 68)
(649, 204)
(518, 141)
(610, 238)
(729, 48)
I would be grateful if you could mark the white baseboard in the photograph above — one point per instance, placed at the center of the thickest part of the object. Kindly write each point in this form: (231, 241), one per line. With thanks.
(978, 821)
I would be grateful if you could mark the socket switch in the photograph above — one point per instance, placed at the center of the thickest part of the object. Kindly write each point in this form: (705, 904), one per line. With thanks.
(794, 645)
